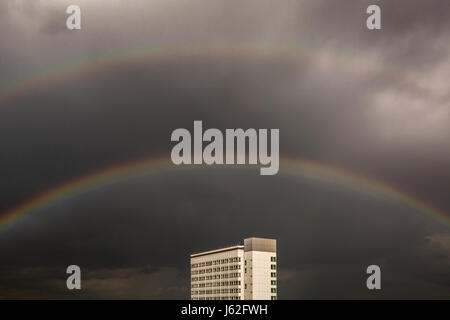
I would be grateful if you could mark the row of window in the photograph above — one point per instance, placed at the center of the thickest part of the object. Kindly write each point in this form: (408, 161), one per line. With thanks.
(216, 269)
(226, 298)
(219, 276)
(218, 298)
(223, 261)
(216, 291)
(215, 262)
(228, 275)
(216, 284)
(214, 277)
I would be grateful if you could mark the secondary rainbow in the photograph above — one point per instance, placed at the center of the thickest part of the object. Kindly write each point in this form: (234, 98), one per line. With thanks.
(214, 50)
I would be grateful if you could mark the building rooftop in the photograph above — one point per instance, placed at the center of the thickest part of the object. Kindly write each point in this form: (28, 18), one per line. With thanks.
(217, 250)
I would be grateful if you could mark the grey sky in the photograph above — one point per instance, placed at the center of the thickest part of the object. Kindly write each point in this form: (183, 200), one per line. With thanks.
(373, 102)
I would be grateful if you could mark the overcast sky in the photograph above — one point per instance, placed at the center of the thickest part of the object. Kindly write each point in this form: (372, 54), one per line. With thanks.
(375, 103)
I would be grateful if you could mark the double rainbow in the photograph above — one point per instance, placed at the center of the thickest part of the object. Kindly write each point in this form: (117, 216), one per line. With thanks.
(154, 165)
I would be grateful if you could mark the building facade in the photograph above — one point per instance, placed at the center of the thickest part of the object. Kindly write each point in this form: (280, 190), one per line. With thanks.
(241, 272)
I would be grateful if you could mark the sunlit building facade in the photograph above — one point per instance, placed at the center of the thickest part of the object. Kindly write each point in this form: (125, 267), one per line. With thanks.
(240, 272)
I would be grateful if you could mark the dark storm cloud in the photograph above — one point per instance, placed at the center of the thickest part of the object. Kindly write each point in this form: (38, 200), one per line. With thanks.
(119, 229)
(371, 102)
(27, 283)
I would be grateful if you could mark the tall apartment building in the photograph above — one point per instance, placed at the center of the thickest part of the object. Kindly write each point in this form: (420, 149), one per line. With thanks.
(241, 272)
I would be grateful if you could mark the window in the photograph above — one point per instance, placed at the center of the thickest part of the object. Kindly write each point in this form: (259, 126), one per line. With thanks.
(273, 274)
(273, 267)
(273, 259)
(273, 290)
(273, 282)
(273, 298)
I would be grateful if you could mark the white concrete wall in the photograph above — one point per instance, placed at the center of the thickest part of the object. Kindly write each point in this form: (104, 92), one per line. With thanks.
(258, 276)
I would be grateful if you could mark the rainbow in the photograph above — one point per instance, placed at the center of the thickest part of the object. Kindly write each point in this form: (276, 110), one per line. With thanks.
(157, 165)
(154, 165)
(292, 54)
(137, 56)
